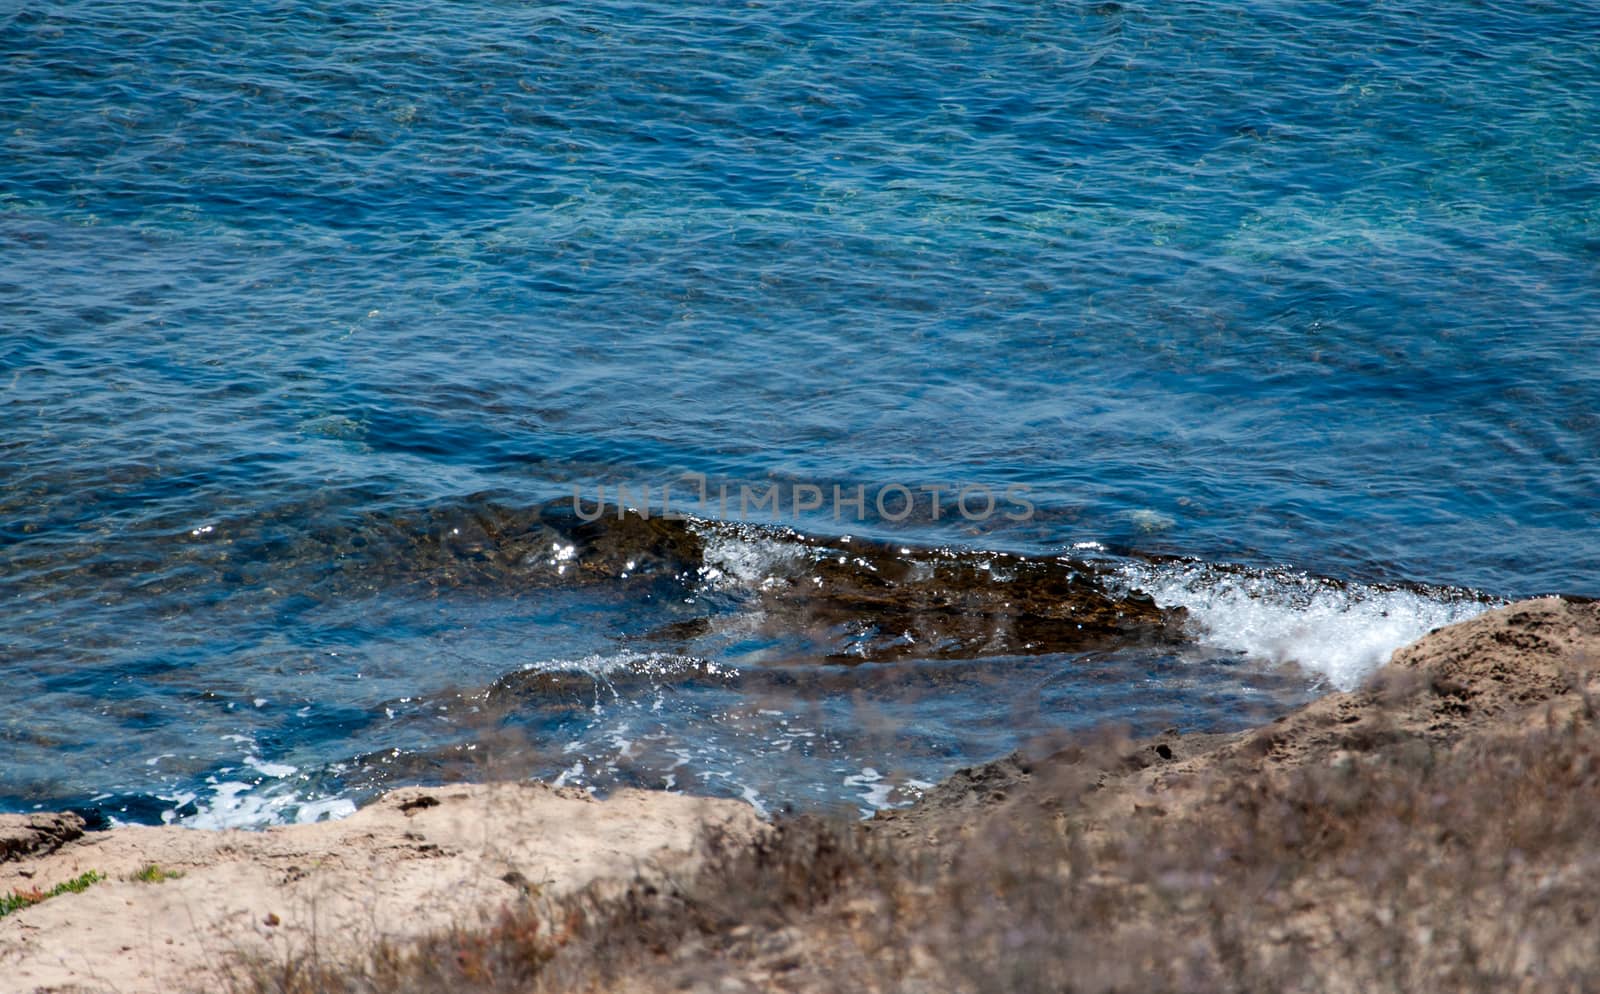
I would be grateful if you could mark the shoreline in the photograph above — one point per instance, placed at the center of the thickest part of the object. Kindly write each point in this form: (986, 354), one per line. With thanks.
(1493, 674)
(423, 860)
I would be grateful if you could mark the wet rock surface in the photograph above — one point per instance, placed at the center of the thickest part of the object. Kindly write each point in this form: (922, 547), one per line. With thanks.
(897, 603)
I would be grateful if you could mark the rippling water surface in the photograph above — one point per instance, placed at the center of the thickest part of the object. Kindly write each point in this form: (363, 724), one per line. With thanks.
(1280, 322)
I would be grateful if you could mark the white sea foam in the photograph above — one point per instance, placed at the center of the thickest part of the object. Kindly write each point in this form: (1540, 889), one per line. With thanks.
(331, 809)
(745, 559)
(1341, 632)
(875, 790)
(238, 804)
(274, 796)
(753, 798)
(275, 770)
(231, 805)
(652, 664)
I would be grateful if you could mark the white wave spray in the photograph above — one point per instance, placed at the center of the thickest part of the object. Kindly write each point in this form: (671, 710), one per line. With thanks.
(1341, 632)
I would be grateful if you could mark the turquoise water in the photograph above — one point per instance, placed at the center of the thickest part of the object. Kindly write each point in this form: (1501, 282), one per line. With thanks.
(313, 319)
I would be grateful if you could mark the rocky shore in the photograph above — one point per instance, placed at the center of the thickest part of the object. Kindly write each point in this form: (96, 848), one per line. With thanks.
(417, 861)
(1436, 829)
(1498, 676)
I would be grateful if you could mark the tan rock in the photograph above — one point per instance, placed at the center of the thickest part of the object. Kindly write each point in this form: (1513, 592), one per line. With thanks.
(25, 835)
(418, 860)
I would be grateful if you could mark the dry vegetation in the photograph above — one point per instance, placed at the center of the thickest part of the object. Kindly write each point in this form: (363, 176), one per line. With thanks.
(1378, 841)
(1431, 869)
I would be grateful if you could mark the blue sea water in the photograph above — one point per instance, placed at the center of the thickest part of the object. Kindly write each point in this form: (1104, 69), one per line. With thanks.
(312, 315)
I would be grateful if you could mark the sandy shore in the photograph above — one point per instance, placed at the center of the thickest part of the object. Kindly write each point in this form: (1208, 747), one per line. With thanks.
(1502, 688)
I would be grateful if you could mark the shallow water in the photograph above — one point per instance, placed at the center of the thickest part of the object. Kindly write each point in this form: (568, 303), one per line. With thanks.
(316, 318)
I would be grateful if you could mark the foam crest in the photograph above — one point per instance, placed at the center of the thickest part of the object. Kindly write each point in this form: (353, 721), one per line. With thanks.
(241, 804)
(1341, 632)
(656, 665)
(744, 558)
(261, 793)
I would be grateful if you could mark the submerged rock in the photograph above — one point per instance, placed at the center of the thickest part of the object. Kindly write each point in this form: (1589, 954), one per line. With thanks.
(895, 604)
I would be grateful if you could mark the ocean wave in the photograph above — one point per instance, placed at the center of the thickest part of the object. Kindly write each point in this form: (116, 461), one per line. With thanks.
(1339, 631)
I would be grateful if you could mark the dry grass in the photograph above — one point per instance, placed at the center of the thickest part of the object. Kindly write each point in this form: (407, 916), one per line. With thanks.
(1412, 869)
(1413, 866)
